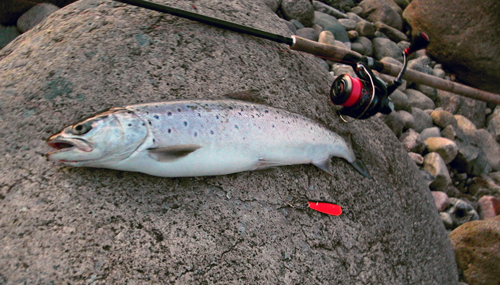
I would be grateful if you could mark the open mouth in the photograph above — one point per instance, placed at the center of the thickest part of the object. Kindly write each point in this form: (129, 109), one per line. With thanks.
(60, 145)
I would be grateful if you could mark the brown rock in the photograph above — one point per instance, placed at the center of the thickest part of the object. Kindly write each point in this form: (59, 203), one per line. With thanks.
(477, 250)
(464, 37)
(489, 207)
(446, 148)
(385, 11)
(441, 200)
(443, 119)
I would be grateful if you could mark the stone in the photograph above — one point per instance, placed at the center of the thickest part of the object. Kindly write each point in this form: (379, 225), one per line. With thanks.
(298, 25)
(412, 142)
(470, 159)
(494, 128)
(441, 200)
(419, 100)
(290, 25)
(416, 157)
(339, 68)
(447, 220)
(458, 24)
(385, 47)
(357, 47)
(448, 132)
(430, 92)
(273, 4)
(422, 120)
(308, 33)
(367, 45)
(7, 34)
(443, 118)
(393, 34)
(461, 212)
(329, 23)
(354, 17)
(353, 35)
(490, 147)
(407, 119)
(448, 101)
(400, 101)
(35, 15)
(477, 251)
(381, 10)
(75, 225)
(394, 122)
(438, 72)
(435, 165)
(446, 148)
(322, 7)
(465, 125)
(348, 24)
(366, 29)
(301, 10)
(326, 37)
(420, 64)
(430, 133)
(489, 207)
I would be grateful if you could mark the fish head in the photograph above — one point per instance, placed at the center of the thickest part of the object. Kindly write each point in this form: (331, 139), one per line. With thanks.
(100, 141)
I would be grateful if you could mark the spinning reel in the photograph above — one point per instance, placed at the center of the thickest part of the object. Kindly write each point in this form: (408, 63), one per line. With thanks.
(367, 95)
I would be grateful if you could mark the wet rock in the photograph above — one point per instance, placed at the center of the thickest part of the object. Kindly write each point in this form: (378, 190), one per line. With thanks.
(393, 34)
(489, 207)
(326, 37)
(416, 157)
(35, 15)
(461, 212)
(380, 10)
(441, 200)
(412, 142)
(385, 47)
(446, 148)
(327, 9)
(419, 100)
(366, 29)
(400, 101)
(470, 159)
(435, 165)
(301, 10)
(443, 118)
(422, 120)
(308, 33)
(329, 23)
(490, 147)
(7, 34)
(477, 251)
(448, 132)
(430, 133)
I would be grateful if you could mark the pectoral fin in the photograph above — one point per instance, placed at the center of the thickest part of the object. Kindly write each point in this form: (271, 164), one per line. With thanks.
(172, 153)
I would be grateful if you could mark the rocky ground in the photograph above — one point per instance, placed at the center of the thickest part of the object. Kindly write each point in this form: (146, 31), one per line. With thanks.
(453, 140)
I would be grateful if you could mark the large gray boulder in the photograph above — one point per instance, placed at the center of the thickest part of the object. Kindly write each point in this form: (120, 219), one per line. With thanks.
(78, 225)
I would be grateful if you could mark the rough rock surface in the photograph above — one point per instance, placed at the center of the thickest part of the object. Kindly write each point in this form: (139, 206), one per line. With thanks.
(466, 37)
(477, 250)
(77, 225)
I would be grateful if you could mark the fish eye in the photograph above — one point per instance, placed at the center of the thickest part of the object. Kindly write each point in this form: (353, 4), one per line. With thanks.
(81, 129)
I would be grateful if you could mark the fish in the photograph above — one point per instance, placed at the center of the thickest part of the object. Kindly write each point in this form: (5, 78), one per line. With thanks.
(188, 138)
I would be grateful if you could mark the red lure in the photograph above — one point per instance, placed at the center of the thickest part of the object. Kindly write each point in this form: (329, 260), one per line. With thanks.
(325, 207)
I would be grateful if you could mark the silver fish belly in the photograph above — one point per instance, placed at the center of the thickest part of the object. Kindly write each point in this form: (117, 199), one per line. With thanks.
(215, 137)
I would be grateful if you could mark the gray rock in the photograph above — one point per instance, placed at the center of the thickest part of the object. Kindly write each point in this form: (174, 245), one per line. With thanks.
(348, 24)
(427, 177)
(354, 17)
(380, 10)
(323, 63)
(420, 64)
(400, 101)
(301, 10)
(446, 148)
(357, 47)
(79, 225)
(367, 45)
(412, 142)
(430, 133)
(322, 7)
(385, 47)
(448, 132)
(366, 29)
(393, 34)
(394, 122)
(419, 100)
(490, 147)
(422, 120)
(441, 199)
(329, 23)
(290, 25)
(308, 33)
(438, 72)
(416, 157)
(470, 159)
(298, 25)
(461, 212)
(403, 45)
(430, 92)
(35, 15)
(494, 128)
(7, 34)
(407, 119)
(273, 4)
(472, 109)
(435, 165)
(357, 10)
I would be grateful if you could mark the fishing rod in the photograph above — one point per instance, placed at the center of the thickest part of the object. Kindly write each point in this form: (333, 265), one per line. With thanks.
(342, 90)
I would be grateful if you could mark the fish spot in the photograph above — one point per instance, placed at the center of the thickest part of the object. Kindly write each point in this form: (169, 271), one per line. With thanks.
(211, 132)
(199, 115)
(169, 114)
(236, 126)
(154, 140)
(185, 124)
(230, 108)
(273, 126)
(156, 117)
(143, 124)
(239, 113)
(179, 110)
(195, 134)
(266, 111)
(130, 125)
(169, 131)
(149, 122)
(217, 117)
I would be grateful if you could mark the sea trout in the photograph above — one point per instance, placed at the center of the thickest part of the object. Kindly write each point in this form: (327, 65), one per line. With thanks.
(198, 138)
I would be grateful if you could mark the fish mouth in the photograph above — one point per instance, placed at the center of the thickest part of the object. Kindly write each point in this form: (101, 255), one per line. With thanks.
(67, 145)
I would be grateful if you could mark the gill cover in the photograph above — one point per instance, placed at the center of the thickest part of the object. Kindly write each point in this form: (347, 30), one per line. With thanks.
(99, 141)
